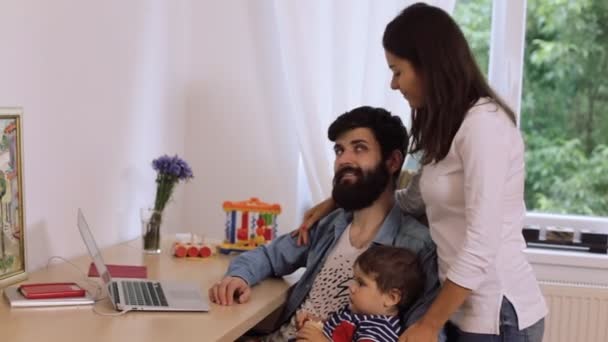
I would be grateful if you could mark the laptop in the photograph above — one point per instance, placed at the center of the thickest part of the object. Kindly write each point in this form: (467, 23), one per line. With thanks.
(142, 294)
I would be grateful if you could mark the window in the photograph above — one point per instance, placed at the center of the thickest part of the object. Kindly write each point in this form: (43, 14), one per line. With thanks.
(474, 18)
(564, 101)
(564, 112)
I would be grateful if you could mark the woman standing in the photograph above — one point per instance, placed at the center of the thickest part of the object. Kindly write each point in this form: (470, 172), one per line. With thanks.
(471, 185)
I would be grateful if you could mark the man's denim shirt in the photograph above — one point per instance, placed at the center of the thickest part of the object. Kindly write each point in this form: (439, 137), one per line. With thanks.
(283, 256)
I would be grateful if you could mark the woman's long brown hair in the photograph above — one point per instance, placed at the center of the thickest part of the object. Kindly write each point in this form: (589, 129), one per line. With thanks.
(430, 39)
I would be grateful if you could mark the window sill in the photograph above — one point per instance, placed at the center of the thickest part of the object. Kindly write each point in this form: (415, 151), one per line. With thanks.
(595, 224)
(568, 266)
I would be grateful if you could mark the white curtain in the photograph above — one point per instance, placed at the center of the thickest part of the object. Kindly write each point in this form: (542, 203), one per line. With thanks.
(331, 60)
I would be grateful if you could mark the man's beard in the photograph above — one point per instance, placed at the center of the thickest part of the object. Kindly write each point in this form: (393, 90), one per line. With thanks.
(361, 193)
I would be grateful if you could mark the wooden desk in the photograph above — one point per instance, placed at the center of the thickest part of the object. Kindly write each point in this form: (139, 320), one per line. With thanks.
(80, 323)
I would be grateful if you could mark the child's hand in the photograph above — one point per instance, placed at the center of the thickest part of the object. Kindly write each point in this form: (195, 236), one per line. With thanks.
(304, 316)
(311, 332)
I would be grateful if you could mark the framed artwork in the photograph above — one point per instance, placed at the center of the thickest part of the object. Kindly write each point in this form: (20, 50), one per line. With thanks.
(12, 217)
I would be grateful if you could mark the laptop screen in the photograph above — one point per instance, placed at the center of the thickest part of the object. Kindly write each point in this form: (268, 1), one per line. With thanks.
(89, 241)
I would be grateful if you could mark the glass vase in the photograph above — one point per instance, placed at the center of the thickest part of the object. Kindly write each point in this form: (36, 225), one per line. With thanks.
(150, 223)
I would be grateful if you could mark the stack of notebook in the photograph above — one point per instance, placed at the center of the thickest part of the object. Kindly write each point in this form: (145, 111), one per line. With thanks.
(16, 299)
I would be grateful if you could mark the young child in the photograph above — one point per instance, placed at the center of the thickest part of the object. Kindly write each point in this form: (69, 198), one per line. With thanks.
(387, 280)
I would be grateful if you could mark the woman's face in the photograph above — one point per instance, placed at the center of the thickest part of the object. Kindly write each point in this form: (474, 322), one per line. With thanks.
(405, 79)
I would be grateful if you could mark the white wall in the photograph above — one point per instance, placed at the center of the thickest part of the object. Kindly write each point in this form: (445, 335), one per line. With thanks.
(101, 84)
(236, 151)
(108, 86)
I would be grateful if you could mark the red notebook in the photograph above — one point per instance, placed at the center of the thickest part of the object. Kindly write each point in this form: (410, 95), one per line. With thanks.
(51, 290)
(121, 271)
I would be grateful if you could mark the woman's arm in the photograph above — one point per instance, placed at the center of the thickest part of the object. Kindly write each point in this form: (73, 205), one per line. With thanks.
(491, 151)
(450, 298)
(312, 216)
(410, 199)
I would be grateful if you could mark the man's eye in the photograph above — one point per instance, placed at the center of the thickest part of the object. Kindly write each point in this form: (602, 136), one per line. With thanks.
(359, 148)
(338, 151)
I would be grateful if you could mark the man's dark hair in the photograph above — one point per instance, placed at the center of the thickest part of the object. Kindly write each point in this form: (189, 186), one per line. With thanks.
(388, 130)
(432, 42)
(394, 268)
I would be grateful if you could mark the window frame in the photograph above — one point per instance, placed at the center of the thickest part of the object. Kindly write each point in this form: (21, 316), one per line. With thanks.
(505, 75)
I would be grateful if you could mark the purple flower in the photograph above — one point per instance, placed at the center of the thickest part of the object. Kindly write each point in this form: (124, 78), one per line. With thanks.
(170, 170)
(172, 167)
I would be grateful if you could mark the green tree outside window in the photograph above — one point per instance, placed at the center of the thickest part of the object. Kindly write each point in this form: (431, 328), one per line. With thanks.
(564, 113)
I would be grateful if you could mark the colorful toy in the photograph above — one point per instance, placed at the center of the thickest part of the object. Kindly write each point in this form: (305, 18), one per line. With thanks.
(191, 246)
(192, 250)
(249, 224)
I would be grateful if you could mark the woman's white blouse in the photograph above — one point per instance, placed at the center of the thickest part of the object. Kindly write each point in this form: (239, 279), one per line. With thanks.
(474, 200)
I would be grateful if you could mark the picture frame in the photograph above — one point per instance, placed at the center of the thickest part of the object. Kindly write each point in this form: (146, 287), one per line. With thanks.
(12, 216)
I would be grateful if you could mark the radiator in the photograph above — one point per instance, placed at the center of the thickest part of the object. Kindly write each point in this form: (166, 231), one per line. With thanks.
(577, 312)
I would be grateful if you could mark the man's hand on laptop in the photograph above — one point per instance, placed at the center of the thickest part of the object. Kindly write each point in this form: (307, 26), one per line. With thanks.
(229, 290)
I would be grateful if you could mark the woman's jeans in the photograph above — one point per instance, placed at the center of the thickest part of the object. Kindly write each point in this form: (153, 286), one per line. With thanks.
(509, 329)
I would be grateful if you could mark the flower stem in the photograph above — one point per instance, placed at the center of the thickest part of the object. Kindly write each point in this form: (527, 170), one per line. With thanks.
(165, 184)
(152, 234)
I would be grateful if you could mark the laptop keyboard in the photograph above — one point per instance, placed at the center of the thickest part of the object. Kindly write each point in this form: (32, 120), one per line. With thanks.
(114, 292)
(146, 293)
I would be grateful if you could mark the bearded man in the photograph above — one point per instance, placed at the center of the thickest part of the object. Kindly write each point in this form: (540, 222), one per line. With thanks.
(369, 145)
